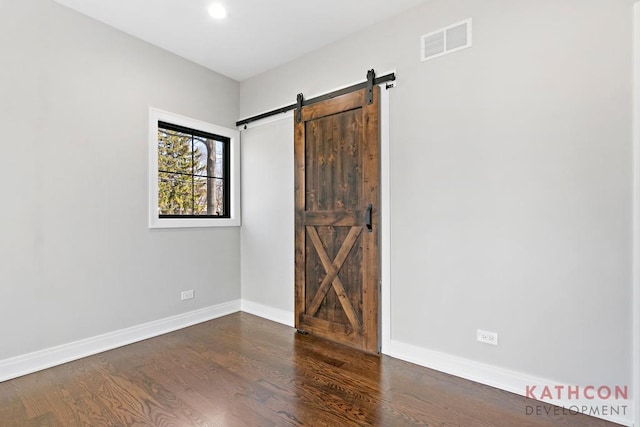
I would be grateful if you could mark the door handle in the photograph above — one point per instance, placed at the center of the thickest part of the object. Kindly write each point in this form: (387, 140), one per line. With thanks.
(367, 218)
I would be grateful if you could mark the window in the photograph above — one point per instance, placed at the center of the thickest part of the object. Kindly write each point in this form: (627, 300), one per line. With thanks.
(193, 179)
(193, 167)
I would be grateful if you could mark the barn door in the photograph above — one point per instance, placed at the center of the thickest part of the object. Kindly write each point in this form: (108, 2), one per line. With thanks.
(337, 172)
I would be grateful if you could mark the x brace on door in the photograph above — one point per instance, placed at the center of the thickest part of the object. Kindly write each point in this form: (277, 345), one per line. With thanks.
(332, 279)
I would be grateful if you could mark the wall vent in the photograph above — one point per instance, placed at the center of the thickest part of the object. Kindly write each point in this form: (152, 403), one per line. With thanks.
(446, 40)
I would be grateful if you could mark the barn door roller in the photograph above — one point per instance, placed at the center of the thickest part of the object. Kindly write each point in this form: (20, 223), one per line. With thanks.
(371, 77)
(299, 107)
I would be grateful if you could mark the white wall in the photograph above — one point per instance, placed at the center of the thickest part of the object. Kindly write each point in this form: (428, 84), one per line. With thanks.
(76, 256)
(511, 182)
(267, 206)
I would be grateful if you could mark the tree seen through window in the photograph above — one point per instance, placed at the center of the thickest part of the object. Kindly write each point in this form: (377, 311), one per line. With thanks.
(192, 173)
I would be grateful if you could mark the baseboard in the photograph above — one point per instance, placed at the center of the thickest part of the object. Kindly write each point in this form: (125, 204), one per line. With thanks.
(503, 379)
(47, 358)
(266, 312)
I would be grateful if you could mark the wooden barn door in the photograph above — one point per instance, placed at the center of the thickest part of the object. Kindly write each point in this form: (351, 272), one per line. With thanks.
(337, 174)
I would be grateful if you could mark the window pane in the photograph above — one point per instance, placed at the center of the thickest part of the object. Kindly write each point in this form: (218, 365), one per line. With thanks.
(174, 152)
(216, 187)
(216, 159)
(200, 196)
(200, 156)
(191, 173)
(175, 195)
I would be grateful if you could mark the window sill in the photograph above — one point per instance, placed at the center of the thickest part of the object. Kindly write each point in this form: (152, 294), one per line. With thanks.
(194, 222)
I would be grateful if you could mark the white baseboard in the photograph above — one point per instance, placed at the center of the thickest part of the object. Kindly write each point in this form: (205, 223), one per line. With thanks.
(47, 358)
(503, 379)
(275, 314)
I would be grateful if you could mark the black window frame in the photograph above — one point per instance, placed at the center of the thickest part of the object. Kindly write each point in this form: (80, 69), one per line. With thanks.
(226, 169)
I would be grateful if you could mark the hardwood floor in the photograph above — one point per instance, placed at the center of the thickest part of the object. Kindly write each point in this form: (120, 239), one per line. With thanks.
(241, 370)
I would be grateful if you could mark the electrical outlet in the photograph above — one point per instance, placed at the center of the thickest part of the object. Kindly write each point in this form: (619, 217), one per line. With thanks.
(487, 337)
(186, 295)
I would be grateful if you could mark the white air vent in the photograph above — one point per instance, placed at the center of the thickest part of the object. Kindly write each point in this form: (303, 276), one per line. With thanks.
(446, 40)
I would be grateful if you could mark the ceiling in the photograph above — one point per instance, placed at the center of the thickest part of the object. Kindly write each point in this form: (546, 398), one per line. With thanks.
(257, 35)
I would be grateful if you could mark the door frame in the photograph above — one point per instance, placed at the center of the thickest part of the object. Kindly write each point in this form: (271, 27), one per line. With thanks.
(385, 222)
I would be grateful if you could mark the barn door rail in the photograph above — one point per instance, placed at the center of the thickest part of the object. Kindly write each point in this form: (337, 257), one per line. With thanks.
(371, 81)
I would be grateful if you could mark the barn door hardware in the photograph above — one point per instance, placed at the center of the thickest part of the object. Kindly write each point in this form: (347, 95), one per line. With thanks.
(372, 81)
(367, 218)
(371, 77)
(299, 107)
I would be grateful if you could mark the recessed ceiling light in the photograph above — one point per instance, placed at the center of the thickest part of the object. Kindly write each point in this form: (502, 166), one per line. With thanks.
(217, 11)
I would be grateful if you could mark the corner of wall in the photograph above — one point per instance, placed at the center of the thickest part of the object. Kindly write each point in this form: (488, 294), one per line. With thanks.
(270, 313)
(636, 212)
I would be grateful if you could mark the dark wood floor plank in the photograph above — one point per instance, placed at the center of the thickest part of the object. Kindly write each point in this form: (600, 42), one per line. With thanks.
(241, 370)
